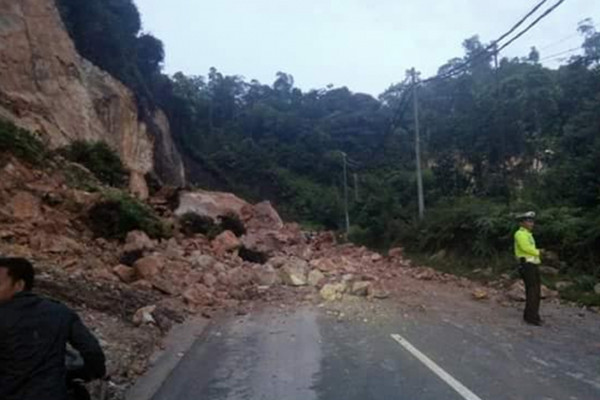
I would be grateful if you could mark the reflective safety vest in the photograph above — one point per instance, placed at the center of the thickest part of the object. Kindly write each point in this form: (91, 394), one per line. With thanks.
(525, 246)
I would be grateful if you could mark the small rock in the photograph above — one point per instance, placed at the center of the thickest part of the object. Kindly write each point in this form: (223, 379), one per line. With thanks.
(315, 277)
(144, 316)
(516, 291)
(164, 286)
(209, 279)
(148, 267)
(138, 241)
(548, 293)
(197, 294)
(142, 284)
(440, 255)
(426, 274)
(295, 272)
(360, 288)
(548, 270)
(203, 261)
(324, 264)
(265, 275)
(562, 285)
(480, 294)
(25, 205)
(378, 291)
(333, 291)
(126, 274)
(226, 242)
(396, 252)
(277, 262)
(376, 257)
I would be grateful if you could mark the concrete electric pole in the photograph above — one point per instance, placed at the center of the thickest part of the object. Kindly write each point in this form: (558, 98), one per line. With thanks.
(413, 74)
(346, 192)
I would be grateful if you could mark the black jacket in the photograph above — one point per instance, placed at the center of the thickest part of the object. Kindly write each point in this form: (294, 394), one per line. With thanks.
(34, 333)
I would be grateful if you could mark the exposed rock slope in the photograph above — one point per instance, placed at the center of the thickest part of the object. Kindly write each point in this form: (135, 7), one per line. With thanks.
(46, 86)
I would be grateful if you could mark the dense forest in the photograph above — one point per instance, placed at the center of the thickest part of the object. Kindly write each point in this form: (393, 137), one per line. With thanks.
(496, 139)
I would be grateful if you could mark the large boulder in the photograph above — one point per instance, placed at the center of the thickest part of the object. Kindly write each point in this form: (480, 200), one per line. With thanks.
(263, 216)
(212, 204)
(287, 240)
(295, 272)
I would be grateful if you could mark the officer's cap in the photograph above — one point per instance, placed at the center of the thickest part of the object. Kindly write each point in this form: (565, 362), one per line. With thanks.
(529, 215)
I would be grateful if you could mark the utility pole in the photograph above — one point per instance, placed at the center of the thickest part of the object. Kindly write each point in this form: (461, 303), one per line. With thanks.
(355, 187)
(346, 193)
(418, 145)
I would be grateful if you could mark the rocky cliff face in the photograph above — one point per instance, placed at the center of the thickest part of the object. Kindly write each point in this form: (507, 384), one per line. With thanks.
(46, 86)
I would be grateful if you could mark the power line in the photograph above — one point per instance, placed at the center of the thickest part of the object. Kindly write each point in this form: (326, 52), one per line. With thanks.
(557, 55)
(559, 41)
(530, 26)
(492, 46)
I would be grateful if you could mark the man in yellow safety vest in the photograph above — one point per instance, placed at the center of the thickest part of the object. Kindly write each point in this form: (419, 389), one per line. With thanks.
(528, 256)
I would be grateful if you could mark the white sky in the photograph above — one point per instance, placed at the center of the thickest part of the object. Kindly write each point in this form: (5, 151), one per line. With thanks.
(363, 44)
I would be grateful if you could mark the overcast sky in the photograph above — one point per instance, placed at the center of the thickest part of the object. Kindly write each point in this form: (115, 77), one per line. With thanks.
(363, 44)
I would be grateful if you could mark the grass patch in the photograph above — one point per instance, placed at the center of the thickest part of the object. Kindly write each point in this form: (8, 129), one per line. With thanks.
(80, 178)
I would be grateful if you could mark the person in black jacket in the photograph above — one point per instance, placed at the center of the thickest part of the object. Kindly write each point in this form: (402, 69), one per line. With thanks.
(34, 333)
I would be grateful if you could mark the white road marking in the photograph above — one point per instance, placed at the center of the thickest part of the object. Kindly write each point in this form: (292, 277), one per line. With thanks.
(446, 377)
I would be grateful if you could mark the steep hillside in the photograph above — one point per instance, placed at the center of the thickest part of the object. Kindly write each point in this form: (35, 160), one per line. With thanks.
(46, 86)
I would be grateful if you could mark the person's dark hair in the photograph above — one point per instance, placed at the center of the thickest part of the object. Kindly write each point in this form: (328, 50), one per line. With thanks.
(19, 269)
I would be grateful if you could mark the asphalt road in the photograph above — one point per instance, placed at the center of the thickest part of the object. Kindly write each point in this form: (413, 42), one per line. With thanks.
(310, 354)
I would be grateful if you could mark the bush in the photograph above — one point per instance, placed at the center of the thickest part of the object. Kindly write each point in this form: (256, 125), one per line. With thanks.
(21, 143)
(231, 222)
(100, 159)
(467, 227)
(192, 223)
(119, 214)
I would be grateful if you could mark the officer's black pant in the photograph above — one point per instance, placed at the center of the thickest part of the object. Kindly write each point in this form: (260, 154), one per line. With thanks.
(533, 288)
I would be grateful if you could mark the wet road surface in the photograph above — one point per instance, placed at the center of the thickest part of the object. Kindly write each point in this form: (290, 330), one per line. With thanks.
(308, 354)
